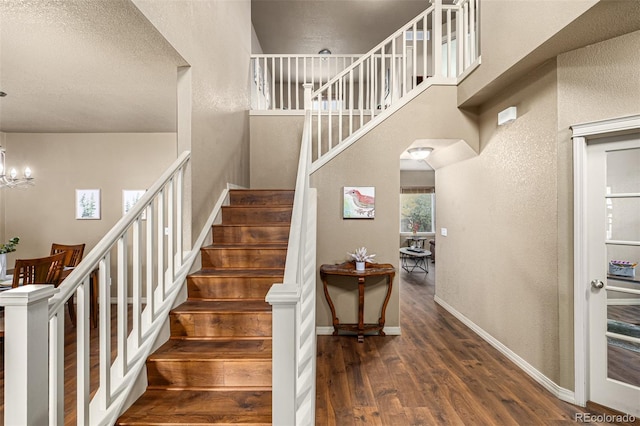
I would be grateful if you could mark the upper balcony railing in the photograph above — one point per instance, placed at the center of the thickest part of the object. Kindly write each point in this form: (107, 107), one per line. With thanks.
(278, 79)
(437, 47)
(442, 43)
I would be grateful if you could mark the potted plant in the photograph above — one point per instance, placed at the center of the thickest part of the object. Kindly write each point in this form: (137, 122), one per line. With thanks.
(360, 256)
(4, 249)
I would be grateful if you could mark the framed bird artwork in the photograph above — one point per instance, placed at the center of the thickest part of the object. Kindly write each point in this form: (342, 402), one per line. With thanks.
(359, 202)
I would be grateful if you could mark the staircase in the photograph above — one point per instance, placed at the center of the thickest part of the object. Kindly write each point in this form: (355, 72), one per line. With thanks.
(216, 366)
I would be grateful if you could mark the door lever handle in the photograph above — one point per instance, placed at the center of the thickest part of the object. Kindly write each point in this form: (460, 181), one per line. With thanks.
(597, 284)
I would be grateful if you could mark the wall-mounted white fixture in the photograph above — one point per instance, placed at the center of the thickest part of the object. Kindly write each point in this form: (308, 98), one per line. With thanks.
(12, 180)
(419, 152)
(324, 51)
(507, 116)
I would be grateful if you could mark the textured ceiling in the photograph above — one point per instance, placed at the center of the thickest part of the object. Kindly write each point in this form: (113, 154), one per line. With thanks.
(100, 66)
(342, 26)
(84, 66)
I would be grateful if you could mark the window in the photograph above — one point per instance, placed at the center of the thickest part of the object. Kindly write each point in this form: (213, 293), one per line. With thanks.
(417, 209)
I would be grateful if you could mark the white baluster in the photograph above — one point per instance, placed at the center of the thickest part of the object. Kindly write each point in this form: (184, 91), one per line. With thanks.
(350, 102)
(340, 107)
(289, 79)
(472, 31)
(449, 47)
(151, 303)
(161, 287)
(105, 331)
(136, 275)
(360, 93)
(297, 82)
(56, 365)
(425, 42)
(403, 63)
(460, 41)
(122, 324)
(82, 348)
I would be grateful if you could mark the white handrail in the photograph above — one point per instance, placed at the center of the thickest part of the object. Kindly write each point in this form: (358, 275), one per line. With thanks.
(161, 207)
(294, 306)
(426, 50)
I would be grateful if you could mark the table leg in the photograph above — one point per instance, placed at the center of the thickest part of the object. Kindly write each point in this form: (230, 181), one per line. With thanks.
(361, 310)
(382, 319)
(335, 320)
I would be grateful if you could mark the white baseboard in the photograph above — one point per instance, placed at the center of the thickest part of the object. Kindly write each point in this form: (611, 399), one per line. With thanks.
(328, 331)
(560, 392)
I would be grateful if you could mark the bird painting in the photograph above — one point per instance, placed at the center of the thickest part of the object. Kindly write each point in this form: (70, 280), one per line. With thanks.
(359, 202)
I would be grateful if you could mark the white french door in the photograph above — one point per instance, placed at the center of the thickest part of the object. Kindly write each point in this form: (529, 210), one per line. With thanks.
(613, 234)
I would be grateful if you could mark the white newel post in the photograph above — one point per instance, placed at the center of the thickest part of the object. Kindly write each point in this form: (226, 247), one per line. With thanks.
(308, 87)
(26, 354)
(283, 300)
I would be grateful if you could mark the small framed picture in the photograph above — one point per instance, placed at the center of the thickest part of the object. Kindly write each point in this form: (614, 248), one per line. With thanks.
(87, 204)
(359, 202)
(129, 198)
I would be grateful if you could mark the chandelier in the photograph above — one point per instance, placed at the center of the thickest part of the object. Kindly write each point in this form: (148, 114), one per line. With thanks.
(12, 180)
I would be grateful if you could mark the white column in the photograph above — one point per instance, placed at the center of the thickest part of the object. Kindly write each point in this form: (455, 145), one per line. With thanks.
(283, 299)
(26, 357)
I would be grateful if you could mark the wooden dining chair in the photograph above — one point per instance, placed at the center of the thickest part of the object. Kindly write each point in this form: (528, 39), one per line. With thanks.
(43, 270)
(74, 253)
(73, 257)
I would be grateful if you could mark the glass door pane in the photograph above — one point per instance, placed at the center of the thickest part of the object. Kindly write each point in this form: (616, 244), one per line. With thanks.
(623, 253)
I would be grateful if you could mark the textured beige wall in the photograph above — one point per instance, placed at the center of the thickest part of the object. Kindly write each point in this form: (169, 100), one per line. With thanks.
(64, 162)
(214, 37)
(417, 178)
(594, 83)
(374, 161)
(516, 281)
(511, 30)
(498, 266)
(275, 148)
(599, 81)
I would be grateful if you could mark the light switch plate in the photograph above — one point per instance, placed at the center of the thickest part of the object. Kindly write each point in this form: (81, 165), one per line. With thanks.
(443, 232)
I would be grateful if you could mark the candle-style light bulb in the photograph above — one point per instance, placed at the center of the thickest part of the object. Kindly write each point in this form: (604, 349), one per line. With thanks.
(27, 172)
(13, 173)
(1, 169)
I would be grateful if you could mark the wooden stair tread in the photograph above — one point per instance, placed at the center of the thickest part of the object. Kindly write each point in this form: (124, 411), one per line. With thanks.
(239, 273)
(216, 368)
(199, 407)
(202, 350)
(260, 206)
(261, 196)
(227, 306)
(258, 246)
(253, 225)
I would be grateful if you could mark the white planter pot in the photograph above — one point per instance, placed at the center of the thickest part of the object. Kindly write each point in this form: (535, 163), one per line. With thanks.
(3, 266)
(359, 266)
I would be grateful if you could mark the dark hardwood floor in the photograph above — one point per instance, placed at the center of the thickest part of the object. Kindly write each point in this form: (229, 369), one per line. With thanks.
(437, 373)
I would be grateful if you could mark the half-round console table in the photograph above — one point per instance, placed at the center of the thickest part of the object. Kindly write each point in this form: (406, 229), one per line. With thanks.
(348, 269)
